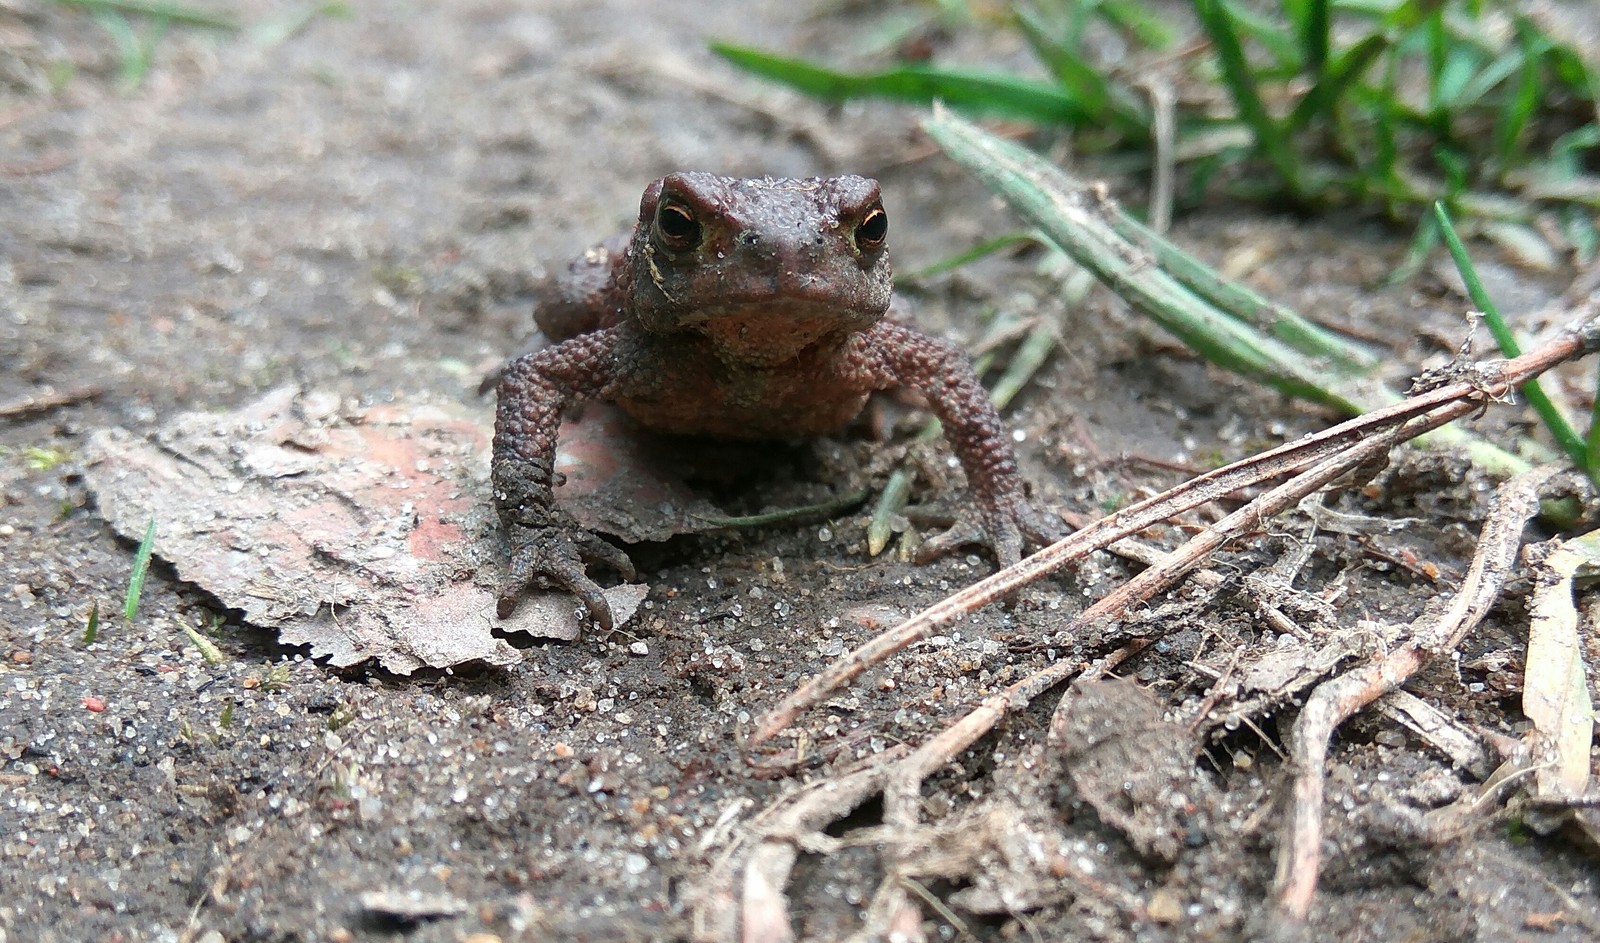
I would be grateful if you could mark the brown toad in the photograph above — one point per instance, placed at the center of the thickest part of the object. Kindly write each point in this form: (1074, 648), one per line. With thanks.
(737, 308)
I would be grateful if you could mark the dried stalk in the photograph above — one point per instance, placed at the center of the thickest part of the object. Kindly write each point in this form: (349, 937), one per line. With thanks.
(1486, 382)
(1335, 701)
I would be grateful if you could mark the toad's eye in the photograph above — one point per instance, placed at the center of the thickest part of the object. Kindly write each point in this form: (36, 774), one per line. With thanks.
(872, 230)
(678, 228)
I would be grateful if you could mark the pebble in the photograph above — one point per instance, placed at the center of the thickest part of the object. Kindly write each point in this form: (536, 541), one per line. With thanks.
(639, 648)
(1164, 906)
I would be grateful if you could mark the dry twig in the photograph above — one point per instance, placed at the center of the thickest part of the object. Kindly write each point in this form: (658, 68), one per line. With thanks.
(1367, 435)
(744, 897)
(42, 402)
(1335, 701)
(759, 910)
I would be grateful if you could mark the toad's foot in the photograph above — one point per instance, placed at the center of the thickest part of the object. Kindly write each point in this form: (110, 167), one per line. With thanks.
(1006, 531)
(553, 555)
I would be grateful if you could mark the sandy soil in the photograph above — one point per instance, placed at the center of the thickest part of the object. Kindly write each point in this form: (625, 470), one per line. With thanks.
(358, 208)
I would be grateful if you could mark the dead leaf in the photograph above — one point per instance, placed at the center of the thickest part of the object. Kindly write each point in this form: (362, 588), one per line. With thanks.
(362, 533)
(1555, 688)
(1134, 767)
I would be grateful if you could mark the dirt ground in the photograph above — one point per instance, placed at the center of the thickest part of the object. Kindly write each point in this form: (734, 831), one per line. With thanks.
(358, 208)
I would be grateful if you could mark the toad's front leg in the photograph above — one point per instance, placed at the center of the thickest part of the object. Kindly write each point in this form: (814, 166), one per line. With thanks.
(548, 548)
(891, 354)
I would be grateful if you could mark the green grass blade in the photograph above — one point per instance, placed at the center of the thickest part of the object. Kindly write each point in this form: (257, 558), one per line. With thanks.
(141, 567)
(1591, 441)
(1466, 77)
(1417, 254)
(1047, 198)
(1315, 28)
(188, 16)
(1133, 18)
(981, 250)
(1560, 429)
(1385, 163)
(1336, 80)
(1241, 83)
(91, 629)
(211, 654)
(1512, 125)
(891, 503)
(278, 29)
(977, 91)
(1109, 104)
(1068, 214)
(1032, 353)
(1437, 46)
(1266, 30)
(824, 510)
(1240, 301)
(132, 61)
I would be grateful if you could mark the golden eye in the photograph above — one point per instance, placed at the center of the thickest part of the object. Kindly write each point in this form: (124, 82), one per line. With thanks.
(872, 230)
(677, 226)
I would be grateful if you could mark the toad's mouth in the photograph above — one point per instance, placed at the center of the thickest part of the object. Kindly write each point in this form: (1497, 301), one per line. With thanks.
(773, 332)
(782, 312)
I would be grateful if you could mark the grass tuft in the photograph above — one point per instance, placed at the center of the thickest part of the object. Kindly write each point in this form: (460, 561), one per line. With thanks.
(1386, 104)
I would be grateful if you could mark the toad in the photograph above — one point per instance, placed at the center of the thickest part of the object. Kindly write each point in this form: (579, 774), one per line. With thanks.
(736, 308)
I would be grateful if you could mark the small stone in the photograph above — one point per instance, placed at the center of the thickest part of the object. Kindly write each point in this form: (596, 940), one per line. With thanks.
(562, 751)
(638, 648)
(1164, 906)
(94, 704)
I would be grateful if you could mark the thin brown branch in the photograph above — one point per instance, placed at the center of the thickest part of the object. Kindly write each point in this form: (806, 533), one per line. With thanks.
(1336, 700)
(47, 163)
(742, 892)
(1487, 383)
(41, 402)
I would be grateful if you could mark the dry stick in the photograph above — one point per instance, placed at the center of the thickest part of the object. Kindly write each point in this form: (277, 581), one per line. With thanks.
(28, 405)
(1489, 381)
(764, 911)
(1335, 701)
(905, 781)
(791, 820)
(904, 787)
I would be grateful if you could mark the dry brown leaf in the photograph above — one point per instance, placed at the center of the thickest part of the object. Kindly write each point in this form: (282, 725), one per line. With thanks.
(1555, 689)
(362, 533)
